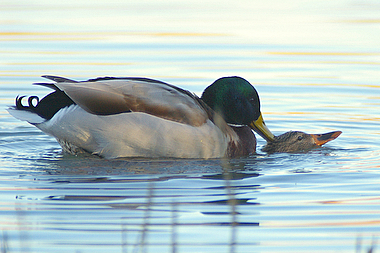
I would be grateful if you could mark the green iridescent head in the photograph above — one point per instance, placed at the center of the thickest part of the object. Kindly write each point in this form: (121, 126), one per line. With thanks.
(237, 101)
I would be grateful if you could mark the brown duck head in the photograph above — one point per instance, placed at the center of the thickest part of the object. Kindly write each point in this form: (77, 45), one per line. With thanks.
(296, 141)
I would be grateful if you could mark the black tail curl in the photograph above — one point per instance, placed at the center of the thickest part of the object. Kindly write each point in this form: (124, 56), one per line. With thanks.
(46, 107)
(30, 106)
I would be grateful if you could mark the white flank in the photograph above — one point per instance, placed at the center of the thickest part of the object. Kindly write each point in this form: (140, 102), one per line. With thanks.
(135, 135)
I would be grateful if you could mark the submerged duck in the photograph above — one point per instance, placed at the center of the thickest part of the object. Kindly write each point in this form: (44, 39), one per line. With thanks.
(140, 117)
(296, 141)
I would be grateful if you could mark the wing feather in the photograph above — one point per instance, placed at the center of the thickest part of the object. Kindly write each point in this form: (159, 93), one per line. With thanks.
(106, 97)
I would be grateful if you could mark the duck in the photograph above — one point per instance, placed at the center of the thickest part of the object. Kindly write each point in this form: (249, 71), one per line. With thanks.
(114, 117)
(297, 141)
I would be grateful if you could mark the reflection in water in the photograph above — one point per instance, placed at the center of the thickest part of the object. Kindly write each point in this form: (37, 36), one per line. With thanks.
(315, 65)
(148, 207)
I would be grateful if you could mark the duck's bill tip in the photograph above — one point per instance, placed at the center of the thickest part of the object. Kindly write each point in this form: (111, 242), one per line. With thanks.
(259, 127)
(321, 139)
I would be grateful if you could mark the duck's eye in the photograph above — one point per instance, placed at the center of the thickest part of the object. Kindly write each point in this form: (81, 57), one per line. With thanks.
(300, 138)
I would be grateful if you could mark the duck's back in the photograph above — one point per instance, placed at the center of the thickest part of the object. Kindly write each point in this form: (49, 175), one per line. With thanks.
(118, 95)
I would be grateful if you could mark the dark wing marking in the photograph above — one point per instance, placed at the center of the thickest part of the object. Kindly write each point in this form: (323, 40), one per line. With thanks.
(59, 79)
(49, 85)
(141, 79)
(56, 79)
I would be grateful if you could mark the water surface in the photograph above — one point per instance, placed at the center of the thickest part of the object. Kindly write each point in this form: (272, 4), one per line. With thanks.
(316, 68)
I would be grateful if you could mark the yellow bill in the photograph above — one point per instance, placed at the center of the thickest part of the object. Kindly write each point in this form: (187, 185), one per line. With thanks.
(259, 127)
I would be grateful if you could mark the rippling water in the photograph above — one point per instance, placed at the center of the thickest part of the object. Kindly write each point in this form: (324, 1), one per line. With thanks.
(316, 68)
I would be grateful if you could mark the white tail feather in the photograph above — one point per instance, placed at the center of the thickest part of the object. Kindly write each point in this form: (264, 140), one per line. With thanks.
(24, 115)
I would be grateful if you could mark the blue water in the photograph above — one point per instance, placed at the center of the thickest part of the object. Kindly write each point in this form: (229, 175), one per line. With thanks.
(316, 68)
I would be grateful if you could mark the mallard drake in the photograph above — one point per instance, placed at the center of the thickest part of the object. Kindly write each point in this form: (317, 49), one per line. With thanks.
(296, 141)
(139, 117)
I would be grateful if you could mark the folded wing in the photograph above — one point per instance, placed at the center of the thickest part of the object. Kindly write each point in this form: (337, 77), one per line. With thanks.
(107, 96)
